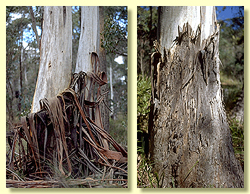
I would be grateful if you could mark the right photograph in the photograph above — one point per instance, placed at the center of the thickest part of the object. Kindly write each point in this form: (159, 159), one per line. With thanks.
(190, 97)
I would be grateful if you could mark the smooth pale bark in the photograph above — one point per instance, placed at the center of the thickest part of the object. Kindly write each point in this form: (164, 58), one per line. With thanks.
(174, 16)
(190, 140)
(89, 42)
(55, 54)
(89, 38)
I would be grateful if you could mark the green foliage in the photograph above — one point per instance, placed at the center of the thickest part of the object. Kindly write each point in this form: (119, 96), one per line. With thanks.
(144, 23)
(232, 45)
(118, 129)
(146, 33)
(143, 102)
(232, 73)
(113, 34)
(232, 89)
(22, 60)
(115, 30)
(237, 131)
(114, 41)
(146, 178)
(143, 109)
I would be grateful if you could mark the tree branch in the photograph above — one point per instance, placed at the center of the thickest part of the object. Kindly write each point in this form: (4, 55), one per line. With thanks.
(34, 26)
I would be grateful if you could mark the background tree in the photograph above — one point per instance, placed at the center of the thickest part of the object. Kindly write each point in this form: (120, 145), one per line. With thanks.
(22, 61)
(232, 58)
(146, 34)
(115, 44)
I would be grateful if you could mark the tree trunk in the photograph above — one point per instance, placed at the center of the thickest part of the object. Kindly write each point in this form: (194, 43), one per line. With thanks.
(56, 54)
(103, 67)
(111, 91)
(88, 44)
(34, 26)
(190, 140)
(89, 38)
(20, 72)
(142, 51)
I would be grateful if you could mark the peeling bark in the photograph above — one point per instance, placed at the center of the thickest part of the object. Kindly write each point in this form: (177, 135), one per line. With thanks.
(190, 140)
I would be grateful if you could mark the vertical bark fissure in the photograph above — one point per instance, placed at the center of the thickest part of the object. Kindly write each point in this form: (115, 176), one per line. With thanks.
(64, 15)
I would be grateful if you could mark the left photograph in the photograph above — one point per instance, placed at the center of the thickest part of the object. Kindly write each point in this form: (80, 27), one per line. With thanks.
(66, 97)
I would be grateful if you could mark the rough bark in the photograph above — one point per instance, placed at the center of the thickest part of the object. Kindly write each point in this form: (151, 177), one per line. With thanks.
(190, 140)
(55, 54)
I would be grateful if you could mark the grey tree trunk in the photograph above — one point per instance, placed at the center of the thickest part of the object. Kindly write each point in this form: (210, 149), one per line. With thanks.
(190, 140)
(55, 54)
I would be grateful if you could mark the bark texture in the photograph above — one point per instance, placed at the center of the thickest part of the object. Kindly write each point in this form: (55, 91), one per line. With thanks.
(89, 38)
(56, 54)
(190, 140)
(89, 47)
(172, 17)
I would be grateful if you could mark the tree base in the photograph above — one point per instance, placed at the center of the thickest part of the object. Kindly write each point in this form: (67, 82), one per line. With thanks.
(190, 140)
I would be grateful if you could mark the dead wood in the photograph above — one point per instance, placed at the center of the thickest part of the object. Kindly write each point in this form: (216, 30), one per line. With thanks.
(66, 138)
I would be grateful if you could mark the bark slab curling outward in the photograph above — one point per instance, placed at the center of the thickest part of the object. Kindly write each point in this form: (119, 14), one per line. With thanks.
(67, 134)
(190, 140)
